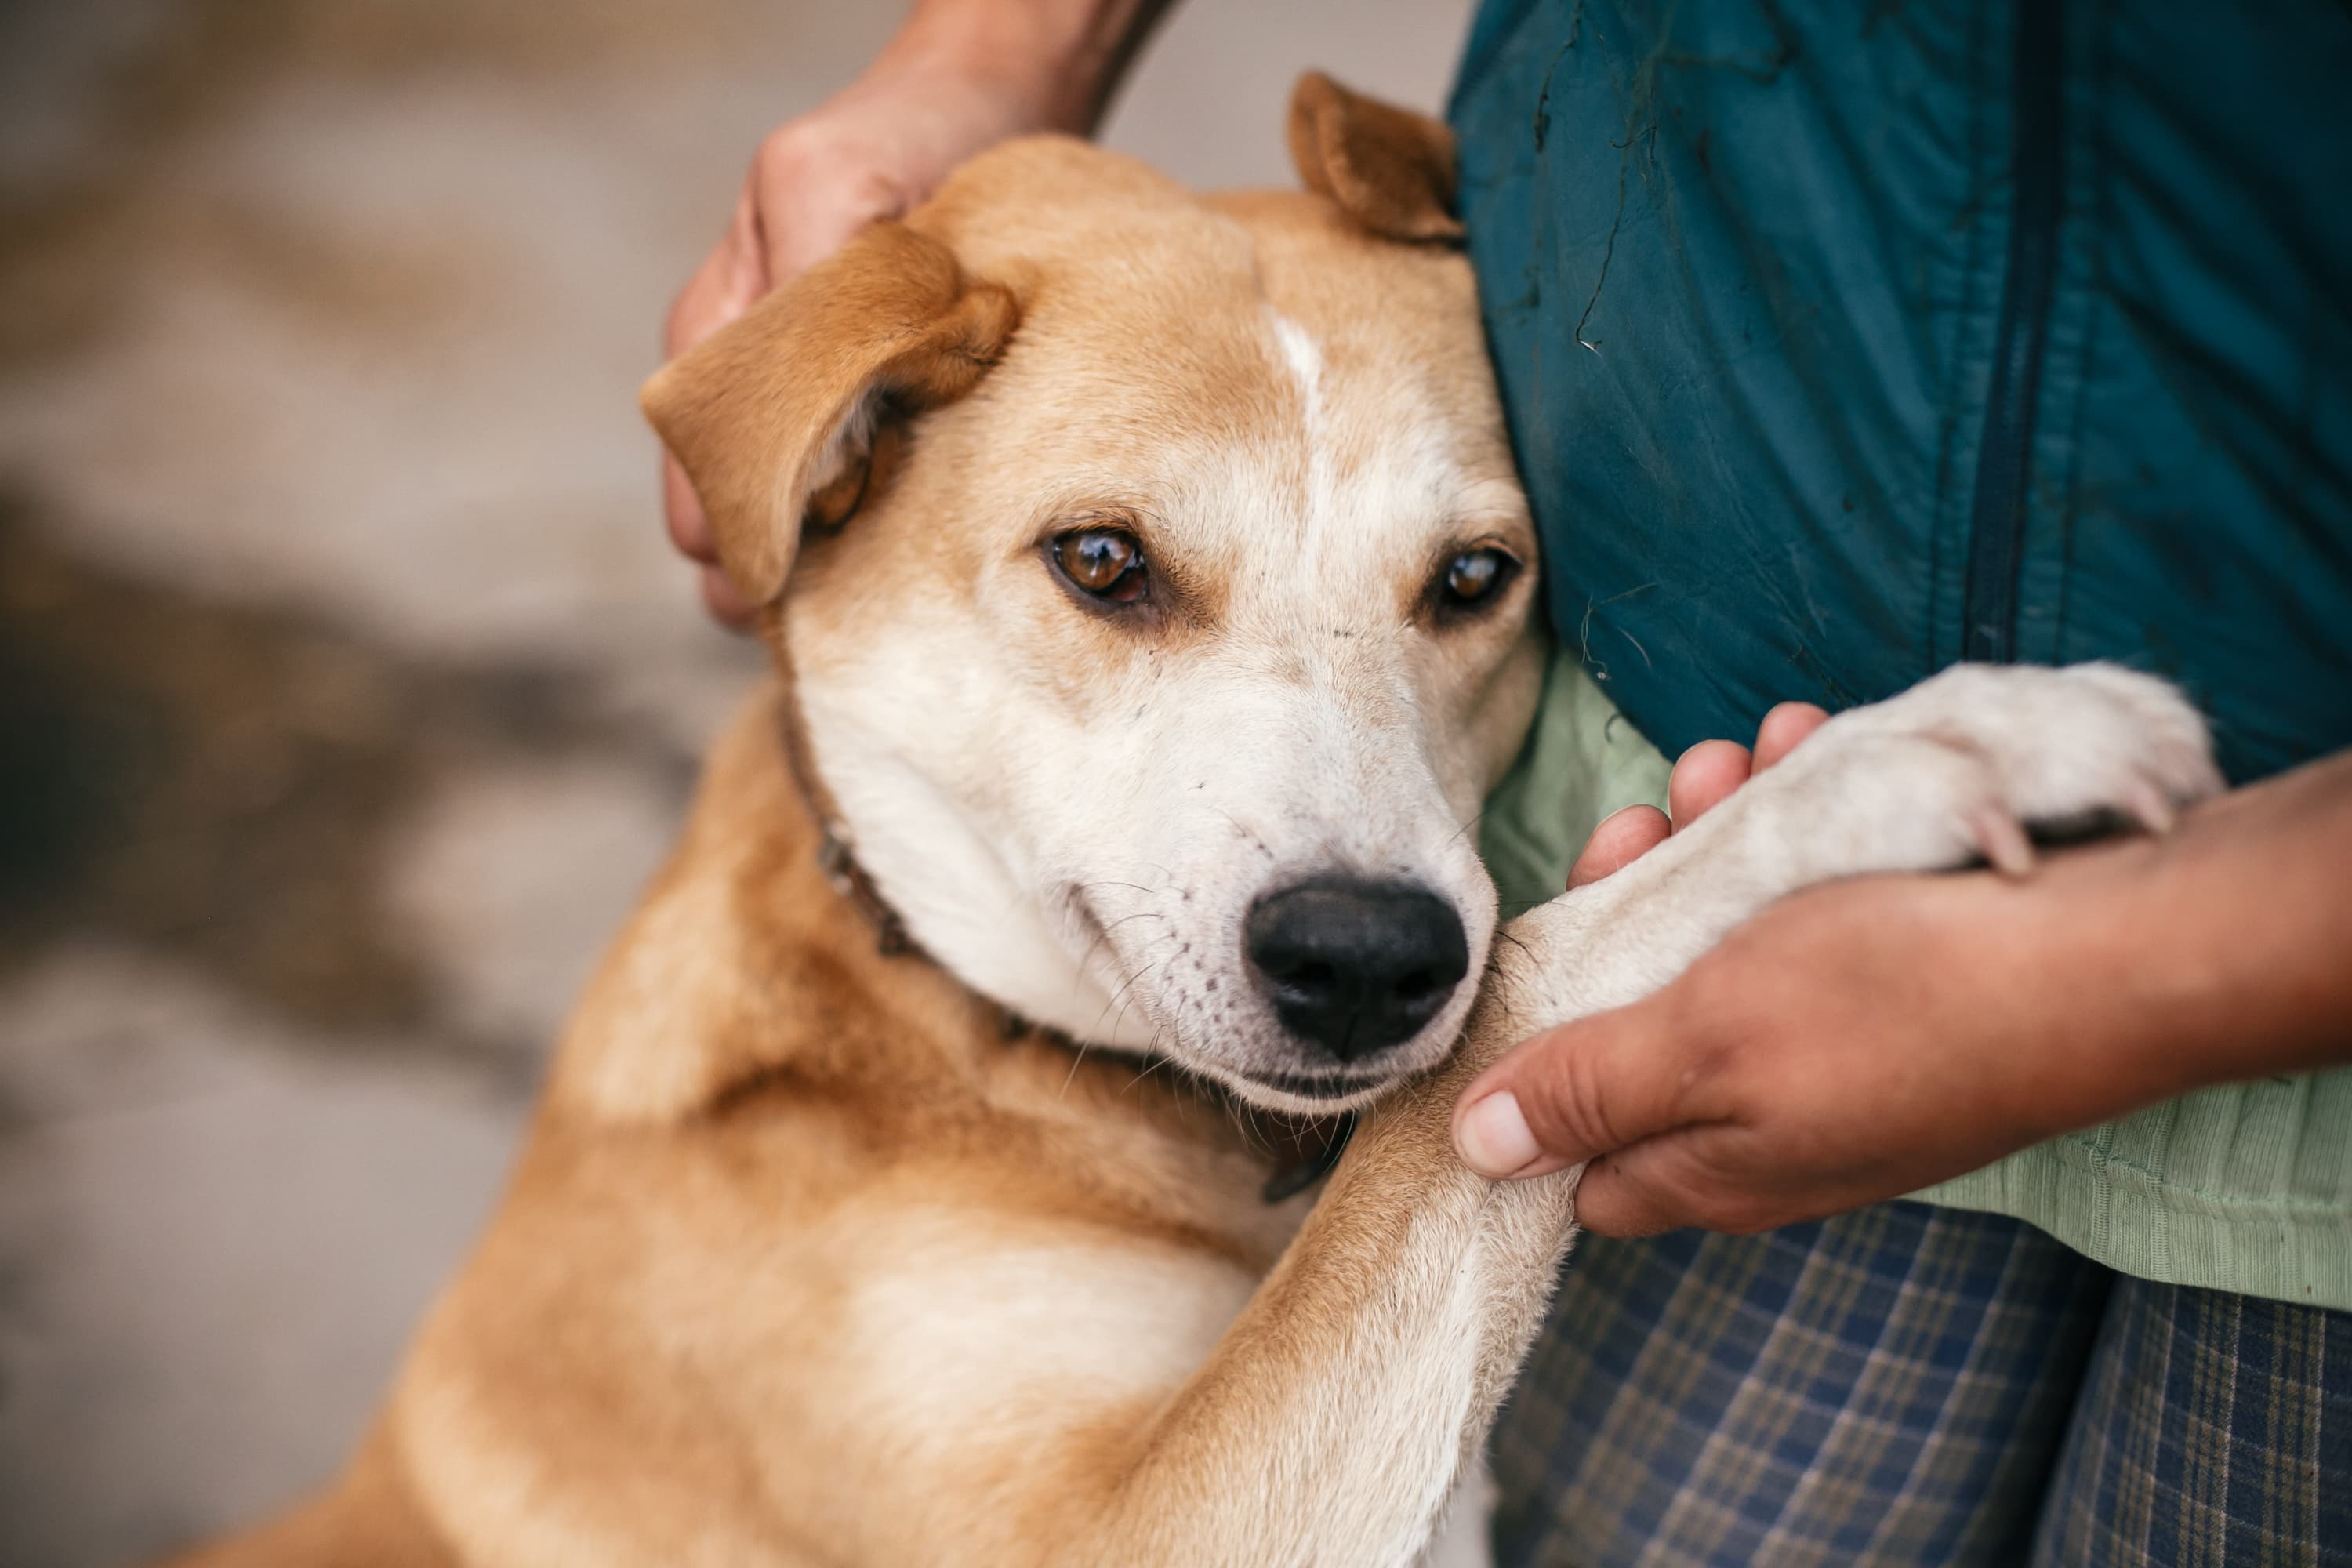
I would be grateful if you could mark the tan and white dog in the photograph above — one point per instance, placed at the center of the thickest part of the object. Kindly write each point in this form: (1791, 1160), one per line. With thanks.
(1149, 591)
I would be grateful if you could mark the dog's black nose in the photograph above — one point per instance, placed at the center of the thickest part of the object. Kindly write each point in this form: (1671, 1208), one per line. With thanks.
(1357, 966)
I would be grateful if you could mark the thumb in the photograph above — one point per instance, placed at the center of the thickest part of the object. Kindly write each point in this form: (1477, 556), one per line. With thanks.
(1572, 1094)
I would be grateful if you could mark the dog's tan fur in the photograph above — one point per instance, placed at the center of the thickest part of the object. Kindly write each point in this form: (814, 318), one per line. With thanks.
(817, 1255)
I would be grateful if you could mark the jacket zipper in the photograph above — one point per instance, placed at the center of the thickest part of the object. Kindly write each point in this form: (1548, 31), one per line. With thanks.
(2004, 453)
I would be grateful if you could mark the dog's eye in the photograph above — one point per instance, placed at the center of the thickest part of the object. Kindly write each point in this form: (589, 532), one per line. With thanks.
(1475, 576)
(1104, 562)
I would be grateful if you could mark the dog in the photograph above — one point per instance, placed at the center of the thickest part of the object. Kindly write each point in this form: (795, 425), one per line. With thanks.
(925, 1177)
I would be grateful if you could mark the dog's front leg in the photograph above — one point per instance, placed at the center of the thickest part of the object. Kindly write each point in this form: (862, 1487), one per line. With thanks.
(1331, 1423)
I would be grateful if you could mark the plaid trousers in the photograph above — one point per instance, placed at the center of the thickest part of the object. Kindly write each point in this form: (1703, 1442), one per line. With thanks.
(1910, 1385)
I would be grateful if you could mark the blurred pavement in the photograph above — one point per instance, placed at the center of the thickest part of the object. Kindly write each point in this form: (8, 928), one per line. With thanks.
(348, 690)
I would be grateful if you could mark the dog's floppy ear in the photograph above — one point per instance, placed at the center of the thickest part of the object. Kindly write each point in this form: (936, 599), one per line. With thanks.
(1389, 169)
(774, 417)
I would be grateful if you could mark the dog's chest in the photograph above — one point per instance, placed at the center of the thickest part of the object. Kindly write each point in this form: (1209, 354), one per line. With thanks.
(990, 1318)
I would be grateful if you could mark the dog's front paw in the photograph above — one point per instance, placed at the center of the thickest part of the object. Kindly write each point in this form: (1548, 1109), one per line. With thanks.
(1969, 765)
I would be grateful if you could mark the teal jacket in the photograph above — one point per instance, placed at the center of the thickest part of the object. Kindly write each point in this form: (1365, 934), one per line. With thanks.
(1843, 342)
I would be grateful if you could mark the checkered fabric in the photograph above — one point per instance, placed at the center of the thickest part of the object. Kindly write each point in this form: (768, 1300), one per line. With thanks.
(1913, 1386)
(2213, 1430)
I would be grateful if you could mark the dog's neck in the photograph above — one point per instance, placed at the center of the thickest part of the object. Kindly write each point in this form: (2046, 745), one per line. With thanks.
(744, 962)
(835, 855)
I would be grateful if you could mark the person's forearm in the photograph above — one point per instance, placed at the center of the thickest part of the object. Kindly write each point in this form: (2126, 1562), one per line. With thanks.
(2221, 952)
(1067, 56)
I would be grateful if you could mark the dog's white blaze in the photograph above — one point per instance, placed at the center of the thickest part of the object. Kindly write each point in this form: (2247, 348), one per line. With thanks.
(1304, 357)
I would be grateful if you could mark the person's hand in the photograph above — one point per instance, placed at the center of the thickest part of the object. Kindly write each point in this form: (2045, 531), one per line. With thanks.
(1870, 1038)
(1806, 1066)
(959, 77)
(1853, 1043)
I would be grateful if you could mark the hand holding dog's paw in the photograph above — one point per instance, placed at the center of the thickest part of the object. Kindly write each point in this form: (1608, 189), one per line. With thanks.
(1851, 1044)
(1870, 1038)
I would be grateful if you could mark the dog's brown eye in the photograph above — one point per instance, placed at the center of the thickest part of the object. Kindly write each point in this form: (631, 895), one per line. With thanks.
(1102, 561)
(1476, 576)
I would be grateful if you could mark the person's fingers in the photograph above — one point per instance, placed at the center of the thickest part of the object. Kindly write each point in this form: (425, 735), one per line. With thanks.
(721, 289)
(730, 278)
(1702, 1174)
(1615, 1197)
(1622, 837)
(1787, 724)
(743, 273)
(1702, 776)
(725, 602)
(1640, 1191)
(1571, 1094)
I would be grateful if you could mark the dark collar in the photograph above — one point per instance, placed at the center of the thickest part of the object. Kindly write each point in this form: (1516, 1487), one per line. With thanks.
(1308, 1148)
(849, 879)
(833, 855)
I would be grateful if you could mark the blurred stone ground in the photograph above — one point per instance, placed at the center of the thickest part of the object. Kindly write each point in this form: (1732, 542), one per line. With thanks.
(347, 689)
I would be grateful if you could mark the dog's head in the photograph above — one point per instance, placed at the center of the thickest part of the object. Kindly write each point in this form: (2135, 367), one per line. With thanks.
(1156, 587)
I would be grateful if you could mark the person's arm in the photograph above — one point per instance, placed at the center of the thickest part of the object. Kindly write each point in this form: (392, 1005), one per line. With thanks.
(960, 76)
(1866, 1039)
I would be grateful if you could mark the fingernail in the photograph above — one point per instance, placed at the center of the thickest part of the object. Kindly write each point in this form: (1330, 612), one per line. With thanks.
(1492, 1137)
